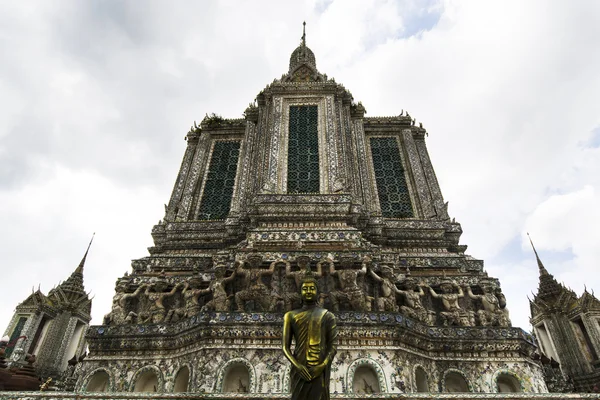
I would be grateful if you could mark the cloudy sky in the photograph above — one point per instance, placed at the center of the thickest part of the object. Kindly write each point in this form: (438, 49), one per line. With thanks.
(97, 96)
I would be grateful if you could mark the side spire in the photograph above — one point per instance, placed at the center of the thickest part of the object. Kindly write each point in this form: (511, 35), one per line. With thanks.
(543, 270)
(548, 286)
(304, 34)
(82, 263)
(72, 290)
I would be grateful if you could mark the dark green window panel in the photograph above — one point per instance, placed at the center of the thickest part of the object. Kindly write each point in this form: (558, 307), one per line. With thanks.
(15, 334)
(303, 150)
(218, 188)
(394, 198)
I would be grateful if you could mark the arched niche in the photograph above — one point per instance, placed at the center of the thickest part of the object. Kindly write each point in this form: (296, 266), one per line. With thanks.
(146, 381)
(98, 381)
(421, 380)
(226, 377)
(455, 382)
(236, 379)
(371, 371)
(182, 380)
(365, 380)
(508, 383)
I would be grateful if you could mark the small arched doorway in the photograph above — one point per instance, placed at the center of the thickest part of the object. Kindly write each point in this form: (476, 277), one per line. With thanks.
(454, 382)
(99, 382)
(421, 381)
(507, 383)
(365, 381)
(182, 380)
(236, 379)
(147, 382)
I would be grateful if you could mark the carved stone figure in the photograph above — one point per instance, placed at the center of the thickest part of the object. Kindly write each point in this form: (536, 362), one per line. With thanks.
(350, 291)
(502, 304)
(156, 311)
(414, 308)
(220, 300)
(191, 294)
(453, 314)
(314, 331)
(119, 314)
(326, 281)
(491, 314)
(280, 286)
(255, 289)
(292, 282)
(387, 295)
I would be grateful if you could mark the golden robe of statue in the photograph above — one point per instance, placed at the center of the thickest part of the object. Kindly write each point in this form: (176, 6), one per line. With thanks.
(314, 331)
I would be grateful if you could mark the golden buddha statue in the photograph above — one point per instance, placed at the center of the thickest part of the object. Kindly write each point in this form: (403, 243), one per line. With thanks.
(315, 334)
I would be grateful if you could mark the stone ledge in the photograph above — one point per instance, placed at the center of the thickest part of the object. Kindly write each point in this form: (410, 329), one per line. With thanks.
(391, 396)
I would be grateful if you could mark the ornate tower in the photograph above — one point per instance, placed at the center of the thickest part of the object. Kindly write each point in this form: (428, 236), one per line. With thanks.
(568, 329)
(306, 182)
(52, 327)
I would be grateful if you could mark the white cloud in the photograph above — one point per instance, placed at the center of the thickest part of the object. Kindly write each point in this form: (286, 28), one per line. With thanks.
(568, 222)
(97, 97)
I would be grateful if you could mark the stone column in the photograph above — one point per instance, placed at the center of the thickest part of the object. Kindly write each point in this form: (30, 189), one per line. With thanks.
(176, 196)
(431, 179)
(187, 209)
(572, 360)
(260, 156)
(592, 326)
(417, 177)
(243, 183)
(51, 354)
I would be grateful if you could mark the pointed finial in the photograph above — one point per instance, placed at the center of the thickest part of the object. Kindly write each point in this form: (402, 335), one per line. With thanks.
(304, 34)
(82, 263)
(541, 267)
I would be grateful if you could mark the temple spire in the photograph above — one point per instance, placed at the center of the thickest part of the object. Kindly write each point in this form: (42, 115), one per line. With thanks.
(304, 34)
(82, 263)
(548, 286)
(542, 269)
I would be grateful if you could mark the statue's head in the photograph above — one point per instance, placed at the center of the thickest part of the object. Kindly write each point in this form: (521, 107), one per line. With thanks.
(487, 285)
(309, 290)
(195, 282)
(160, 285)
(387, 272)
(220, 271)
(121, 285)
(410, 284)
(446, 287)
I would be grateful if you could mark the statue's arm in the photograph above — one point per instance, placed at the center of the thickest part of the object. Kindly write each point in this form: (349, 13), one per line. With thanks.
(421, 292)
(363, 270)
(240, 268)
(198, 293)
(332, 270)
(374, 275)
(460, 291)
(331, 338)
(270, 270)
(469, 293)
(130, 295)
(230, 278)
(433, 293)
(186, 286)
(287, 343)
(172, 292)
